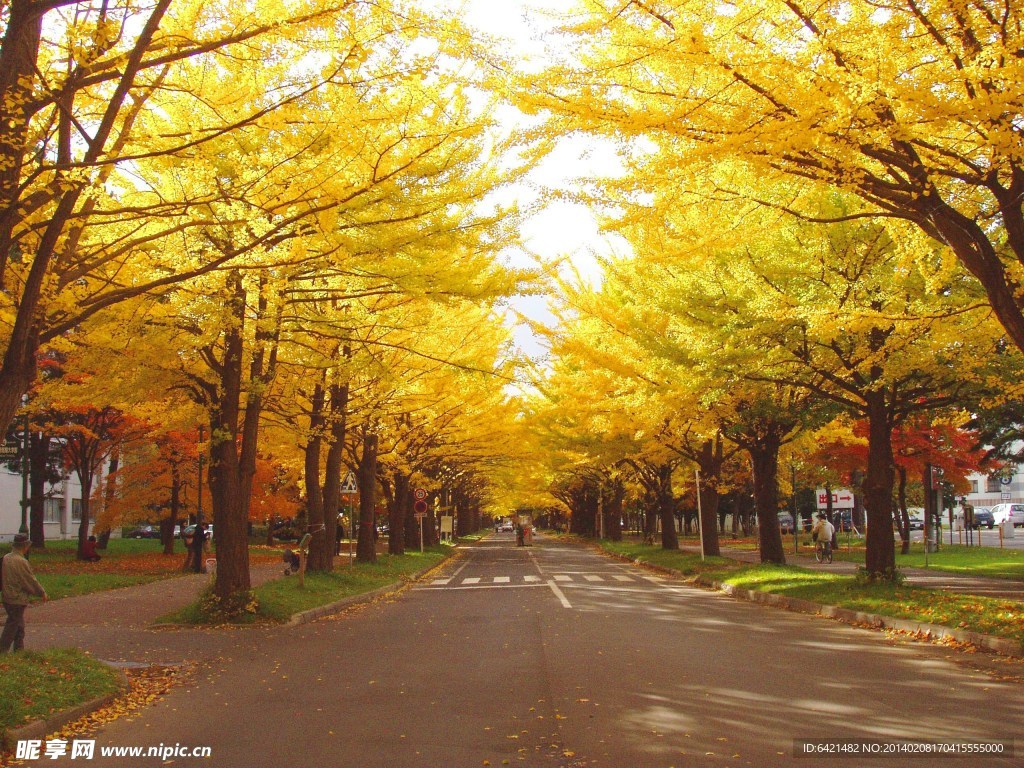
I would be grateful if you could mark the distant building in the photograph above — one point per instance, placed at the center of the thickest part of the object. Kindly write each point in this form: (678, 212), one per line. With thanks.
(987, 490)
(62, 511)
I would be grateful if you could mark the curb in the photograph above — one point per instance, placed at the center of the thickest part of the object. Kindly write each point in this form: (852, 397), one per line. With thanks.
(877, 621)
(312, 614)
(38, 729)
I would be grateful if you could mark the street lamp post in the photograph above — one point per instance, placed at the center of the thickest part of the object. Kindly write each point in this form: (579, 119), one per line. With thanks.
(199, 488)
(700, 523)
(24, 469)
(796, 536)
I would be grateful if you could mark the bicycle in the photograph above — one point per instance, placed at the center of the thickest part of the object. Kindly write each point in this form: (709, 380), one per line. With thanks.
(823, 551)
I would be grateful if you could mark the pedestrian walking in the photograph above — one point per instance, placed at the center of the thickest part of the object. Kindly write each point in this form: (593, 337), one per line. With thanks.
(19, 588)
(198, 548)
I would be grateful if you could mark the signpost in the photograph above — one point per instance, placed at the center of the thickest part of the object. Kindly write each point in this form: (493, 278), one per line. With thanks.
(420, 508)
(350, 488)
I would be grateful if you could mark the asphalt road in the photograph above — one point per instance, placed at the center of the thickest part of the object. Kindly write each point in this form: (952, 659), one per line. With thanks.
(552, 655)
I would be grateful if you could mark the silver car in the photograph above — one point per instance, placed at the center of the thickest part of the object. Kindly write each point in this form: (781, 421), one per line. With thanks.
(1009, 511)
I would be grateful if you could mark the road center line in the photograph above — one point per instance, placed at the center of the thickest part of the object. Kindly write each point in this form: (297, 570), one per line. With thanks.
(559, 594)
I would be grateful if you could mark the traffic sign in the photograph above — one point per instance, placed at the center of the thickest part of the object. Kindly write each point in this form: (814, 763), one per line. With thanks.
(1004, 480)
(420, 507)
(420, 494)
(349, 484)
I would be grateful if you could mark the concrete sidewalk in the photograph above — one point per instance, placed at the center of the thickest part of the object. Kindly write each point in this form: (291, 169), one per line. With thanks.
(116, 625)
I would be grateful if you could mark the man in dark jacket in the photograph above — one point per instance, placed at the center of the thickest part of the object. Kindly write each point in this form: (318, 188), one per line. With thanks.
(20, 586)
(198, 549)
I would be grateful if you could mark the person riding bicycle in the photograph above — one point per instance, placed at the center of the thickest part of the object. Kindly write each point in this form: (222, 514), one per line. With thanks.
(822, 532)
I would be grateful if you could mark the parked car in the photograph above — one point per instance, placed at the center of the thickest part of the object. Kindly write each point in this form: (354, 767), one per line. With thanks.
(1009, 511)
(915, 516)
(506, 526)
(785, 522)
(983, 517)
(144, 532)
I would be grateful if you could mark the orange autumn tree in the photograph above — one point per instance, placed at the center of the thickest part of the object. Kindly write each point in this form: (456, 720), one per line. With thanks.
(157, 478)
(89, 435)
(925, 440)
(275, 491)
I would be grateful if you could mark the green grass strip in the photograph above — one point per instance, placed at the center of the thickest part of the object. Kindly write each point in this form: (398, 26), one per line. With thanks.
(35, 685)
(990, 616)
(278, 600)
(991, 562)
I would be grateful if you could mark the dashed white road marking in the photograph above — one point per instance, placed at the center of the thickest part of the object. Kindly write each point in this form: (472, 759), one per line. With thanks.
(502, 579)
(471, 580)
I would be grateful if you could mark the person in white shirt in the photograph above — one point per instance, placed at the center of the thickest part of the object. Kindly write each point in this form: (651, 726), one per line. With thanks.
(823, 531)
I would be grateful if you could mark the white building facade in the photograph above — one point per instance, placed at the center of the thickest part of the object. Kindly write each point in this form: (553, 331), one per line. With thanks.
(987, 490)
(62, 511)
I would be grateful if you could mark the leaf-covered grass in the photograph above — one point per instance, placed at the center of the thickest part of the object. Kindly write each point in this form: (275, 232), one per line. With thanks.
(278, 600)
(989, 616)
(957, 558)
(125, 563)
(34, 685)
(687, 563)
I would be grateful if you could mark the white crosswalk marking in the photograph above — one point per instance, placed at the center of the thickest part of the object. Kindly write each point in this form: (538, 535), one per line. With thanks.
(534, 580)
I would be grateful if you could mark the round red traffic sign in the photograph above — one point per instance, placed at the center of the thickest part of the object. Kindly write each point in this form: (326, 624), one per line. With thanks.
(420, 506)
(420, 494)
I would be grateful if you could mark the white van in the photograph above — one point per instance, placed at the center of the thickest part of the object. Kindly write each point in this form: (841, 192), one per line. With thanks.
(1009, 511)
